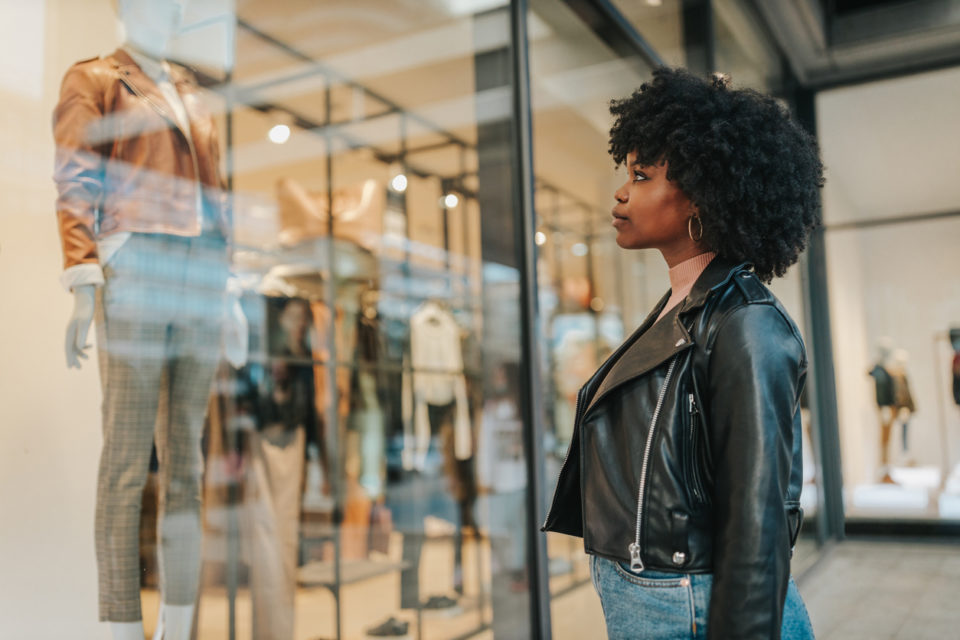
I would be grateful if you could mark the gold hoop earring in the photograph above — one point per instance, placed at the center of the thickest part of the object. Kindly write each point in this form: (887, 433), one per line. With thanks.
(690, 228)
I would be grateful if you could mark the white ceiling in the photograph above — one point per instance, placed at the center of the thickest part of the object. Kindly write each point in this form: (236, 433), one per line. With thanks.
(891, 148)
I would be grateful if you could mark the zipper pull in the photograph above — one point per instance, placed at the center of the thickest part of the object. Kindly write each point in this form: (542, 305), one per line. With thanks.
(636, 564)
(693, 405)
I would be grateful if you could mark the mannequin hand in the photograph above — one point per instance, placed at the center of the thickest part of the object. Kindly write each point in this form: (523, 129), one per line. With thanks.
(236, 332)
(79, 325)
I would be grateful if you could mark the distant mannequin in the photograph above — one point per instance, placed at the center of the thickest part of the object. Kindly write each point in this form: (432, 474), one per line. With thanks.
(894, 400)
(886, 400)
(903, 405)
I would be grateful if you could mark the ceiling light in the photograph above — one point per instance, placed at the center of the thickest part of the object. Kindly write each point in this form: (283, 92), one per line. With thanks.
(399, 183)
(450, 200)
(579, 249)
(279, 134)
(540, 238)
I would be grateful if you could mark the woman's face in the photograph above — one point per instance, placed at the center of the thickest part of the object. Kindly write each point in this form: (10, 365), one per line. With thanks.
(651, 212)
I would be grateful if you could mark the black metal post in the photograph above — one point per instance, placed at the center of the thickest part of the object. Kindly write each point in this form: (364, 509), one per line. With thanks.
(525, 246)
(822, 380)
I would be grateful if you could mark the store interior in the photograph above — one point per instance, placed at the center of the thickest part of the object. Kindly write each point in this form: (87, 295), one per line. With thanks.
(361, 188)
(891, 221)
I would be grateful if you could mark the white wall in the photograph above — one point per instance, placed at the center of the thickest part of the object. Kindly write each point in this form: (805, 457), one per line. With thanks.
(49, 416)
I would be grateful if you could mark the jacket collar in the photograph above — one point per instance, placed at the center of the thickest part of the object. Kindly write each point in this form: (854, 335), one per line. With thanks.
(141, 84)
(653, 343)
(715, 277)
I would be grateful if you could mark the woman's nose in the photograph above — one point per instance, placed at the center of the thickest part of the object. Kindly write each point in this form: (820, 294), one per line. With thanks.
(620, 195)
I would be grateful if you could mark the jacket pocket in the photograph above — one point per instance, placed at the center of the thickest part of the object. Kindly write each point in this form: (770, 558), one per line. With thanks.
(794, 521)
(693, 457)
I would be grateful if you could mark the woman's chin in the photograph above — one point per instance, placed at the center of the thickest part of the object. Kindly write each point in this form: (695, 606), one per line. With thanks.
(624, 241)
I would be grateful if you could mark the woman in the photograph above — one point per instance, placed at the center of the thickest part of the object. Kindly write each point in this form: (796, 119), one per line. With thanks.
(684, 471)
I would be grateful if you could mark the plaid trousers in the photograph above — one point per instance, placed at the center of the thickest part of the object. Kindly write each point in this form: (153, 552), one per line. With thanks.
(159, 319)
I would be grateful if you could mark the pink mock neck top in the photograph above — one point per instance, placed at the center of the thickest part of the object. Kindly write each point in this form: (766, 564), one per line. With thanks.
(682, 278)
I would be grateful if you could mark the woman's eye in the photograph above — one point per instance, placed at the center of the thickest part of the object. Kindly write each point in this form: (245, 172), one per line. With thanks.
(639, 176)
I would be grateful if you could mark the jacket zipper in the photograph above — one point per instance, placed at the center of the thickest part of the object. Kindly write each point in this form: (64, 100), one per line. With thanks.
(576, 420)
(636, 563)
(694, 477)
(187, 137)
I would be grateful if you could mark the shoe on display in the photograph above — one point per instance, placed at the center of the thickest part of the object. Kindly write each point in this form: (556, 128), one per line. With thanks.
(441, 606)
(390, 628)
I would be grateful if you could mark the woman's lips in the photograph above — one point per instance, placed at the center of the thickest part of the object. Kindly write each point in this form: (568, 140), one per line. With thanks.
(618, 219)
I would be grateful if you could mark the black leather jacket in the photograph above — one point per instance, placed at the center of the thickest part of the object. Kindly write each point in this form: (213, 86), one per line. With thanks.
(686, 451)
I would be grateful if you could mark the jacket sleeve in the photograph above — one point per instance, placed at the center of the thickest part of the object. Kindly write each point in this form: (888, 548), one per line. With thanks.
(79, 165)
(755, 374)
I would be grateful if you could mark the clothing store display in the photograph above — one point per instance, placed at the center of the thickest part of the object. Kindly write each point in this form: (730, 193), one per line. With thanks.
(142, 214)
(437, 379)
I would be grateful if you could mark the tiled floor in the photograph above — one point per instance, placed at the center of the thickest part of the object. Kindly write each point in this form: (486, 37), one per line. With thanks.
(878, 590)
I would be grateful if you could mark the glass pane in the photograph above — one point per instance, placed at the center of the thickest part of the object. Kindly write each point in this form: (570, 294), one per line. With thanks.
(351, 461)
(660, 23)
(743, 50)
(892, 268)
(591, 292)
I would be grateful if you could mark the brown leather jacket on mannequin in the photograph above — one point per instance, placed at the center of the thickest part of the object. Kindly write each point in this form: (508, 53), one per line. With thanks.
(122, 161)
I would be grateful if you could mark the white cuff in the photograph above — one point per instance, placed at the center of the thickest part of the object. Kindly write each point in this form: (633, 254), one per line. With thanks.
(87, 273)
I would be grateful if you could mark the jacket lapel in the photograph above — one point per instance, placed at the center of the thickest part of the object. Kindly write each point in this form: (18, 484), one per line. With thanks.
(653, 343)
(656, 345)
(140, 83)
(591, 386)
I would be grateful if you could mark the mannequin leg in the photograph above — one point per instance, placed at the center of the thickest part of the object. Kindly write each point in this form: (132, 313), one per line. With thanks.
(886, 429)
(131, 340)
(126, 630)
(194, 351)
(174, 622)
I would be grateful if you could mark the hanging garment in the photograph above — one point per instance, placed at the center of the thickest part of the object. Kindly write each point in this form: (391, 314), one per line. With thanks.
(956, 377)
(437, 379)
(884, 383)
(902, 398)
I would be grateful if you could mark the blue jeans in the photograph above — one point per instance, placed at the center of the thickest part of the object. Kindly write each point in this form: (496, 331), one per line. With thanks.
(668, 606)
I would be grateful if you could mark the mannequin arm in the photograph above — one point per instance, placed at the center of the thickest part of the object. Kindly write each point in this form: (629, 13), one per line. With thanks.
(79, 325)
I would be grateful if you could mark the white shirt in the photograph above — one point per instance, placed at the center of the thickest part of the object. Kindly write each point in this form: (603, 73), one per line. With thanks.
(437, 360)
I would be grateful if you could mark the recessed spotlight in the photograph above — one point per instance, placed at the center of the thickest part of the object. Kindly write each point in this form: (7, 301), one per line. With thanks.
(279, 134)
(399, 183)
(450, 200)
(540, 238)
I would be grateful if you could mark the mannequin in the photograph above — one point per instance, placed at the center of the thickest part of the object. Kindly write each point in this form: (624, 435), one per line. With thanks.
(903, 404)
(885, 401)
(144, 228)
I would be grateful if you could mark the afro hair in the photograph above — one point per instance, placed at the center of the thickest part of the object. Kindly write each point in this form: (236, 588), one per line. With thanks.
(752, 172)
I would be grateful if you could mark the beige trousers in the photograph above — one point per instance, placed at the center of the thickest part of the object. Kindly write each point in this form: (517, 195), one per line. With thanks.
(271, 527)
